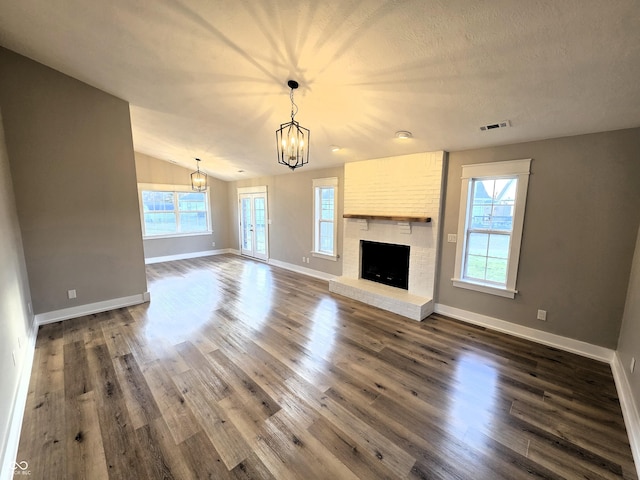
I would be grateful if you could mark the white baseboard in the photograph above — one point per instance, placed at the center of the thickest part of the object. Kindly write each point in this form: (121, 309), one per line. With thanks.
(19, 405)
(88, 309)
(568, 344)
(184, 256)
(305, 271)
(628, 406)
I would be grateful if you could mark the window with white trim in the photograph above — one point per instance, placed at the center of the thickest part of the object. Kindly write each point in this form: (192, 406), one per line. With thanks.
(173, 210)
(325, 217)
(492, 205)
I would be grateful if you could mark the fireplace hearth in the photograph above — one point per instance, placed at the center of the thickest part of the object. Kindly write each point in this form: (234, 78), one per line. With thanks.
(386, 263)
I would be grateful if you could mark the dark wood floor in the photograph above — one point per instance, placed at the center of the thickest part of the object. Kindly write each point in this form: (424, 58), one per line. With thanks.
(241, 370)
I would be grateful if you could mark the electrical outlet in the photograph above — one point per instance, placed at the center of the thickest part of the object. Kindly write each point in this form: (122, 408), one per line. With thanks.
(452, 238)
(542, 315)
(308, 258)
(213, 244)
(71, 294)
(633, 364)
(304, 259)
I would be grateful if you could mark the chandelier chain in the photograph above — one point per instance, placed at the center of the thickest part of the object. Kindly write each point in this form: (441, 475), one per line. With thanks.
(293, 105)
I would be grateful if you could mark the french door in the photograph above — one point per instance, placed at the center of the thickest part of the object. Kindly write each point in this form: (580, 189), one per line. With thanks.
(252, 212)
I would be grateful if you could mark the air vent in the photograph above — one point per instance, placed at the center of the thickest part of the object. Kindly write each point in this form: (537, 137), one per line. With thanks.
(493, 126)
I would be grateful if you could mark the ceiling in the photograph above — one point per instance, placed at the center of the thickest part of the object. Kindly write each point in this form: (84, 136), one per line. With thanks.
(209, 78)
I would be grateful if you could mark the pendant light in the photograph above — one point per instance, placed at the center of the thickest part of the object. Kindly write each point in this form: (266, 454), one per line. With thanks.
(198, 179)
(292, 139)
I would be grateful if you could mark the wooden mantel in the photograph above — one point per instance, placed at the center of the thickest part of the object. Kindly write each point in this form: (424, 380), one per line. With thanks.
(393, 218)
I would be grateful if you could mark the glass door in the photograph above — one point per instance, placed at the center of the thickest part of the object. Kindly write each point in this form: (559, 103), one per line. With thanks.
(253, 222)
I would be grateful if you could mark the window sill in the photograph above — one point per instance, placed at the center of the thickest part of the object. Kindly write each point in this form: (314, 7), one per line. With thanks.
(177, 235)
(333, 258)
(479, 287)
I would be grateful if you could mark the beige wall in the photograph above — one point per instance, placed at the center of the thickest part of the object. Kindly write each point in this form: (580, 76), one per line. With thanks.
(153, 170)
(582, 215)
(629, 342)
(15, 320)
(71, 155)
(290, 203)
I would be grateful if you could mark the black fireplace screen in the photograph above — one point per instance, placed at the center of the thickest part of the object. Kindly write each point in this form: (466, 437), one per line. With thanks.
(385, 263)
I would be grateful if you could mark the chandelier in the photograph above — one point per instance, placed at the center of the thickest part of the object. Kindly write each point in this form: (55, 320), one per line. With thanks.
(198, 179)
(292, 139)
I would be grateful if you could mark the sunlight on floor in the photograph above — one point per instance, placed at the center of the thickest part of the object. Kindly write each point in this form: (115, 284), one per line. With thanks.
(474, 395)
(178, 302)
(255, 292)
(322, 334)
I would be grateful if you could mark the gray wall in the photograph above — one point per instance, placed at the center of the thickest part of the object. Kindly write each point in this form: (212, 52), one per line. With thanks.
(290, 203)
(629, 342)
(71, 155)
(582, 215)
(15, 320)
(153, 170)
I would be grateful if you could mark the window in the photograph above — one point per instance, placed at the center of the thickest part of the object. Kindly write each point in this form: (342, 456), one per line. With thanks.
(173, 211)
(325, 231)
(492, 204)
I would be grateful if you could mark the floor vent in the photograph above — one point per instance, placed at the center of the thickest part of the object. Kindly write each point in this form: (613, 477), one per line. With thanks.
(493, 126)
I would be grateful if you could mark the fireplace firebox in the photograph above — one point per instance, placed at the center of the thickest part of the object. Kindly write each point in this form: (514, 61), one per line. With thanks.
(386, 263)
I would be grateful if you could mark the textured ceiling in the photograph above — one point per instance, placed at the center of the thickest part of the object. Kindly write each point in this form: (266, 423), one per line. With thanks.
(208, 78)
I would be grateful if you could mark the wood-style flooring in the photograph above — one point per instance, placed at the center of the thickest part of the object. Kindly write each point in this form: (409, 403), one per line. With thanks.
(237, 369)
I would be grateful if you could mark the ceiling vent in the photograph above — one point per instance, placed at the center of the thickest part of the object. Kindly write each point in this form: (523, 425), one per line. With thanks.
(493, 126)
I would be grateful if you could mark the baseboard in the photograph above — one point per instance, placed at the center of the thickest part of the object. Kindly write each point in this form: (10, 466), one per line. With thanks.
(628, 406)
(90, 308)
(303, 270)
(19, 405)
(185, 256)
(563, 343)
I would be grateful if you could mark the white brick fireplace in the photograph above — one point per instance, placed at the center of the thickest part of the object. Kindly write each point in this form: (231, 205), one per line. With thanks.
(391, 198)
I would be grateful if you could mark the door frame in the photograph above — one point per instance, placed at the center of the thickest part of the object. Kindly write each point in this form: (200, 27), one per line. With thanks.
(259, 190)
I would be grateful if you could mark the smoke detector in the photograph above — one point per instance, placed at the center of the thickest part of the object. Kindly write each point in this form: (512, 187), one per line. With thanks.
(403, 134)
(493, 126)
